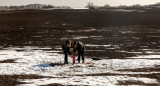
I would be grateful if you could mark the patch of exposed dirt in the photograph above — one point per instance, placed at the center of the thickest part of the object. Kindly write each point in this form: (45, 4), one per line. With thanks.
(56, 64)
(152, 69)
(8, 61)
(152, 75)
(134, 82)
(123, 31)
(11, 80)
(55, 84)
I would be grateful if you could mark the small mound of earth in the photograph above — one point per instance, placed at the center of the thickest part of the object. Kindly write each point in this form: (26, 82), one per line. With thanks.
(133, 82)
(54, 84)
(56, 64)
(96, 58)
(8, 61)
(12, 80)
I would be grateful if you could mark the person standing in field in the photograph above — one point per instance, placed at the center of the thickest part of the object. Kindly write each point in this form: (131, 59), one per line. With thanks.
(79, 46)
(66, 49)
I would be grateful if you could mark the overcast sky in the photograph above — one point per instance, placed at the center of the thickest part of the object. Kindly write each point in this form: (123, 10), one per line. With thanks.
(77, 3)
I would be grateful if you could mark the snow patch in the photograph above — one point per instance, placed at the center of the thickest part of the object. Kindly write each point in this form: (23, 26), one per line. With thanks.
(33, 61)
(91, 45)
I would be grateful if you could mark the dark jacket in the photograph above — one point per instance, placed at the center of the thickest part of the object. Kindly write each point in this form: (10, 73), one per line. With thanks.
(65, 48)
(80, 47)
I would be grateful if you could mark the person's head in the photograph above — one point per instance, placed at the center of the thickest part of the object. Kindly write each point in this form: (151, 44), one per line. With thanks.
(75, 44)
(68, 42)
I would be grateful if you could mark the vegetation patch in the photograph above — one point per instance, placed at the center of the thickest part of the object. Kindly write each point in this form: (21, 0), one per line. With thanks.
(54, 84)
(131, 82)
(56, 64)
(153, 69)
(8, 61)
(11, 80)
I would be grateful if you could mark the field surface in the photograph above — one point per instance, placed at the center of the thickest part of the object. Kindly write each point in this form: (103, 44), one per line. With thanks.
(122, 47)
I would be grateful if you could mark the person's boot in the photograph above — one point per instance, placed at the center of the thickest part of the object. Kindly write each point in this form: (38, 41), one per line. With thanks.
(65, 62)
(83, 62)
(78, 61)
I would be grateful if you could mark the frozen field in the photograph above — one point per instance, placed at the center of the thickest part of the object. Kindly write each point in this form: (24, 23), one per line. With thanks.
(34, 60)
(126, 43)
(133, 60)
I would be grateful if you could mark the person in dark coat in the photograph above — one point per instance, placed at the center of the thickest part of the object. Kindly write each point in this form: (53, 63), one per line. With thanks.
(66, 49)
(79, 46)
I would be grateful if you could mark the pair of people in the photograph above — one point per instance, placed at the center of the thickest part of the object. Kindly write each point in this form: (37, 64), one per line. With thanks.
(77, 46)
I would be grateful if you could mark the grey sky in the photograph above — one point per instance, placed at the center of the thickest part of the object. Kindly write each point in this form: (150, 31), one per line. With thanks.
(78, 3)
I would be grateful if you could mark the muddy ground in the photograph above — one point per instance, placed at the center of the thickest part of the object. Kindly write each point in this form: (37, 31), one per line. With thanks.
(106, 34)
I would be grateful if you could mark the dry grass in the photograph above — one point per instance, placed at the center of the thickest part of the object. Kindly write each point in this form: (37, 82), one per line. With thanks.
(134, 82)
(55, 84)
(8, 61)
(11, 80)
(56, 64)
(149, 69)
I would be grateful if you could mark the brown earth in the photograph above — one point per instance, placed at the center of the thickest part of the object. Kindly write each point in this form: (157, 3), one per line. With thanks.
(8, 61)
(11, 80)
(124, 31)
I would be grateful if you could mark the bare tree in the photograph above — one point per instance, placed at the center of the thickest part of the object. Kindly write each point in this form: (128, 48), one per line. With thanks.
(122, 6)
(136, 6)
(106, 6)
(90, 6)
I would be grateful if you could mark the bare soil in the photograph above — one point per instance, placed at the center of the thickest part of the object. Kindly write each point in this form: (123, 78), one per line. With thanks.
(8, 61)
(126, 32)
(12, 80)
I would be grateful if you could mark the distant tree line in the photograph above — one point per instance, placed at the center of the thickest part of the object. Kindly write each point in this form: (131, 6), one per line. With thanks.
(32, 6)
(136, 6)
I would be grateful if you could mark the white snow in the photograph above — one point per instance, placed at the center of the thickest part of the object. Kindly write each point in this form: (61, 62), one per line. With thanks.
(97, 50)
(70, 30)
(75, 37)
(79, 8)
(87, 80)
(96, 36)
(92, 45)
(146, 57)
(124, 10)
(36, 60)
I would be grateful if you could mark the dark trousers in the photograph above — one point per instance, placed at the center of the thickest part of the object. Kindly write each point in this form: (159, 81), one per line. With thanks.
(65, 57)
(66, 52)
(80, 53)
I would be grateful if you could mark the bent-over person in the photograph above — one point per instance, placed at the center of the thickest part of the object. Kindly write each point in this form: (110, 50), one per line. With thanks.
(79, 46)
(66, 49)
